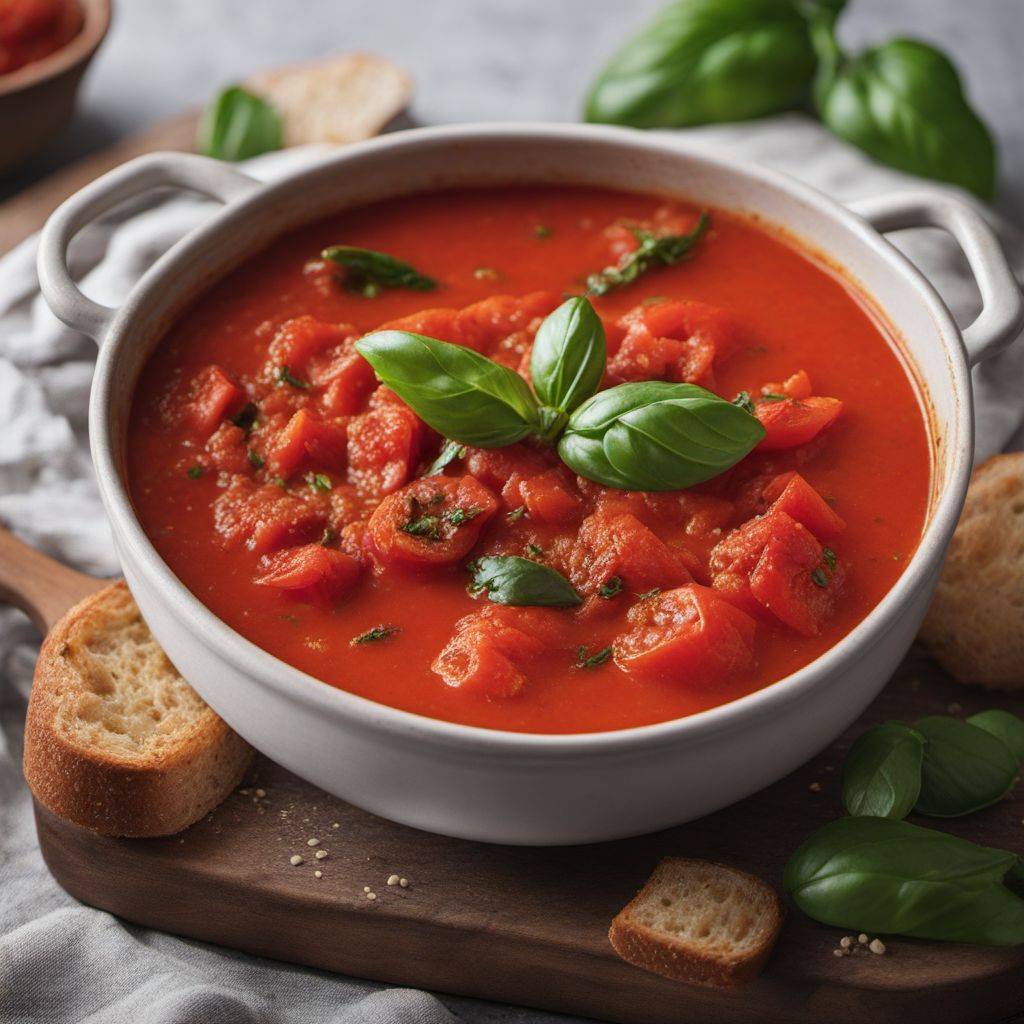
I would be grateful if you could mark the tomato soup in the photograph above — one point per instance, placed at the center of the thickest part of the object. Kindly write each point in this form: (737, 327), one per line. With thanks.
(33, 29)
(305, 504)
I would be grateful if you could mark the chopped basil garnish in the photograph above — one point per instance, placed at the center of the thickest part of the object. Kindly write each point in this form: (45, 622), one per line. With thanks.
(450, 451)
(652, 251)
(594, 660)
(195, 472)
(287, 377)
(319, 481)
(647, 595)
(329, 537)
(509, 579)
(426, 526)
(534, 551)
(770, 396)
(744, 401)
(819, 577)
(516, 514)
(828, 556)
(458, 516)
(543, 231)
(367, 272)
(382, 632)
(255, 458)
(611, 587)
(279, 481)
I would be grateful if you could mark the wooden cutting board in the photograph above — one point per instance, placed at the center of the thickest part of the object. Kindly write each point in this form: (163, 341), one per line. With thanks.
(517, 925)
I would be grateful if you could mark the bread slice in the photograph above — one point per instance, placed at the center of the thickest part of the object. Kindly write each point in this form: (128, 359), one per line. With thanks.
(699, 922)
(339, 100)
(115, 740)
(975, 627)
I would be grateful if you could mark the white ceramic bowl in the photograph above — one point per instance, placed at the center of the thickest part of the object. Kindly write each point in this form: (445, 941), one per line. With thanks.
(502, 786)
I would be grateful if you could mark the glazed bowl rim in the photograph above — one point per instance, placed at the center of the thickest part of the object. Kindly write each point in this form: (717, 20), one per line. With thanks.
(267, 670)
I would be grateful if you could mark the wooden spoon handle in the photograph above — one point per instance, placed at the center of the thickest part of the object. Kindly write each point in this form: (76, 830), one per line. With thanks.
(41, 587)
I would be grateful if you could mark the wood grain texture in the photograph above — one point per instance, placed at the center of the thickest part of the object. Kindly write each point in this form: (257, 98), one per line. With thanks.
(530, 926)
(39, 586)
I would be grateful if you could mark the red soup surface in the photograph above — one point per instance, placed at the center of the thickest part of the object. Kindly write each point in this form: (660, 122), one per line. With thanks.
(290, 492)
(33, 29)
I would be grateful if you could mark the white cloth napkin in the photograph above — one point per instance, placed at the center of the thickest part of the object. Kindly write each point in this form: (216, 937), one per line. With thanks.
(60, 961)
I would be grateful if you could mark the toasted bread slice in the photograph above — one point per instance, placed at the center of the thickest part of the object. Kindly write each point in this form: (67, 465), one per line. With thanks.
(975, 627)
(699, 922)
(115, 740)
(343, 99)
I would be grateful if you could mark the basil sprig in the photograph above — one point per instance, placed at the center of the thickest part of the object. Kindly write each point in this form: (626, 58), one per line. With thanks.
(653, 436)
(657, 436)
(651, 251)
(460, 393)
(702, 61)
(368, 272)
(881, 875)
(509, 579)
(1005, 727)
(882, 772)
(965, 768)
(239, 124)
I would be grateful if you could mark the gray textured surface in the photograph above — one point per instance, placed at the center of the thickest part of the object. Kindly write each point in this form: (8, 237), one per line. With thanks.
(484, 59)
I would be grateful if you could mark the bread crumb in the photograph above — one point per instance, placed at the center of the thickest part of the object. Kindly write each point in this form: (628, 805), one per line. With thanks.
(296, 859)
(312, 842)
(839, 952)
(404, 883)
(393, 879)
(337, 824)
(846, 941)
(371, 895)
(862, 939)
(877, 946)
(815, 787)
(320, 854)
(261, 793)
(318, 874)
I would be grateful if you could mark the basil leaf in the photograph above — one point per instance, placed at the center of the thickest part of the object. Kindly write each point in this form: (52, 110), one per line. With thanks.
(569, 355)
(1005, 727)
(702, 61)
(460, 393)
(882, 772)
(652, 251)
(656, 436)
(882, 875)
(509, 579)
(903, 104)
(368, 271)
(965, 768)
(237, 125)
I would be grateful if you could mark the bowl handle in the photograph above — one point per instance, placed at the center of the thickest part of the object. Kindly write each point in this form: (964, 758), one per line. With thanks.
(155, 170)
(1002, 313)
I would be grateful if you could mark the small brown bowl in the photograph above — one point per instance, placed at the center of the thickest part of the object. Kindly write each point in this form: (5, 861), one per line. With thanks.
(37, 100)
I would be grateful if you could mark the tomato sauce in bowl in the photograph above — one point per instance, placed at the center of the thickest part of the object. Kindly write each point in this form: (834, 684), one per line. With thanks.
(290, 494)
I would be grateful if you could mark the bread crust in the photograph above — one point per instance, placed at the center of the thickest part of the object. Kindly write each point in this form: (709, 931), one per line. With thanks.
(975, 626)
(654, 950)
(110, 792)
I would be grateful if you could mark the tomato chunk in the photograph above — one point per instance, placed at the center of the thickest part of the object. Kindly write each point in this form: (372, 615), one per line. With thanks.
(672, 340)
(610, 545)
(547, 496)
(792, 494)
(775, 562)
(311, 573)
(298, 340)
(308, 440)
(347, 382)
(383, 447)
(214, 395)
(228, 450)
(789, 423)
(798, 386)
(265, 517)
(492, 648)
(433, 521)
(690, 635)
